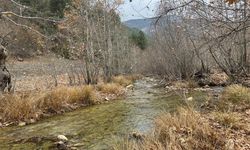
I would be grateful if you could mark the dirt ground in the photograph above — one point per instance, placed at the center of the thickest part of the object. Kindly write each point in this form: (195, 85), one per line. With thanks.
(45, 72)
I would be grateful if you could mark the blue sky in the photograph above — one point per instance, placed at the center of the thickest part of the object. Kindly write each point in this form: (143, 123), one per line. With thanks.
(138, 9)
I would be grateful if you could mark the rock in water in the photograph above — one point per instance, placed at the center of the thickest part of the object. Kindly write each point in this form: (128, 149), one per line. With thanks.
(106, 99)
(206, 86)
(21, 124)
(62, 138)
(20, 59)
(32, 120)
(130, 87)
(190, 99)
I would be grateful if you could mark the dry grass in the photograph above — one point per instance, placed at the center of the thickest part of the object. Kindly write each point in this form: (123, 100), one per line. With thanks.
(58, 98)
(84, 94)
(237, 94)
(125, 80)
(185, 84)
(22, 107)
(229, 120)
(192, 84)
(188, 129)
(180, 84)
(117, 84)
(14, 107)
(110, 88)
(184, 130)
(219, 78)
(122, 80)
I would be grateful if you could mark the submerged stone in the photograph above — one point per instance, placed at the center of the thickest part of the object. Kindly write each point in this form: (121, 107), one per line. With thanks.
(21, 124)
(62, 138)
(190, 99)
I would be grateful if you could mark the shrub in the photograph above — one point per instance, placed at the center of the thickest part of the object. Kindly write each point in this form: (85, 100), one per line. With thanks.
(139, 38)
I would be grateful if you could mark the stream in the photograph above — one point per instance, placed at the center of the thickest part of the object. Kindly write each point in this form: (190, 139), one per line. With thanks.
(95, 127)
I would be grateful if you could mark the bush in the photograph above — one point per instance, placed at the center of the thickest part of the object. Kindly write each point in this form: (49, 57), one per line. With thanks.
(139, 38)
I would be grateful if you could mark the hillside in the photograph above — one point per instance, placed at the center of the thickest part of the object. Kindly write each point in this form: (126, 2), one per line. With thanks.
(146, 25)
(141, 24)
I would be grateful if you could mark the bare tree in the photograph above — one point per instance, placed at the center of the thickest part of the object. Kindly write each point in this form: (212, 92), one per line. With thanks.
(215, 32)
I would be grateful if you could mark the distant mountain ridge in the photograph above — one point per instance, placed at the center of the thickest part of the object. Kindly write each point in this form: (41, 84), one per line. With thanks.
(146, 25)
(141, 24)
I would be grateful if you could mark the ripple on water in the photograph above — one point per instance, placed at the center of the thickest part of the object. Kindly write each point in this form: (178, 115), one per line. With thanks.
(95, 126)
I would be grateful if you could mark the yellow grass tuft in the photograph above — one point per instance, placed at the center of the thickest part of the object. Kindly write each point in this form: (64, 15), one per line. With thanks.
(230, 120)
(21, 107)
(192, 84)
(186, 129)
(16, 108)
(88, 95)
(236, 94)
(122, 80)
(180, 84)
(54, 100)
(110, 88)
(32, 105)
(125, 80)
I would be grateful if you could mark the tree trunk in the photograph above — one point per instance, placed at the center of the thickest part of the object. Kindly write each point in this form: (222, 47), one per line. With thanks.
(5, 77)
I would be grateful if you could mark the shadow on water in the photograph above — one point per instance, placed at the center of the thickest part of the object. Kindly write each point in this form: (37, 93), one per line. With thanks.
(94, 127)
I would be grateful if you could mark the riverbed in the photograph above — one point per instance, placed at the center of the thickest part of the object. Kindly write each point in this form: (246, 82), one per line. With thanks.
(96, 127)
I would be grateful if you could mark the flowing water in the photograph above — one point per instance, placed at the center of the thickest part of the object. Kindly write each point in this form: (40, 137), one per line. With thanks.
(97, 126)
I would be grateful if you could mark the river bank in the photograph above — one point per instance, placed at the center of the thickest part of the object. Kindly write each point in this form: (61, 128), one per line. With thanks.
(28, 107)
(98, 126)
(219, 124)
(187, 116)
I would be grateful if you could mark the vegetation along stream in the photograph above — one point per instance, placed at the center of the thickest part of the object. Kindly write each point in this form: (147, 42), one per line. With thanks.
(96, 127)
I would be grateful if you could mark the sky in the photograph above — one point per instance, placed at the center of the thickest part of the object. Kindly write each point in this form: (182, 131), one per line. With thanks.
(138, 9)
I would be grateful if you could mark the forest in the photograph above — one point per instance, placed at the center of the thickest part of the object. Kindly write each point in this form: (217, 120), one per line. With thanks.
(74, 75)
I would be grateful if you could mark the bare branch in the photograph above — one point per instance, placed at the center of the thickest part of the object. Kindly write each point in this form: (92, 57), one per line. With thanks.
(28, 17)
(25, 26)
(18, 4)
(172, 9)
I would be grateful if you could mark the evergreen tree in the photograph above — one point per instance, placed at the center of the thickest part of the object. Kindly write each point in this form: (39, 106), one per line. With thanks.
(139, 38)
